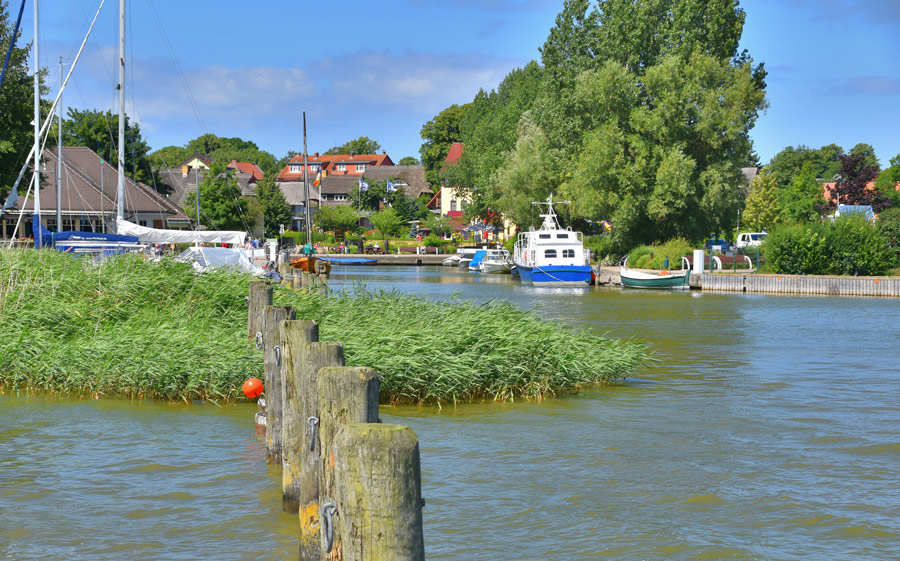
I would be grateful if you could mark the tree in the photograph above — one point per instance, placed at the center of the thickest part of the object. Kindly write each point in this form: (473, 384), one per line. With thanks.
(439, 225)
(275, 209)
(387, 222)
(168, 157)
(763, 210)
(439, 134)
(824, 163)
(98, 130)
(337, 218)
(889, 180)
(221, 204)
(852, 187)
(224, 150)
(362, 145)
(409, 161)
(803, 197)
(868, 153)
(17, 103)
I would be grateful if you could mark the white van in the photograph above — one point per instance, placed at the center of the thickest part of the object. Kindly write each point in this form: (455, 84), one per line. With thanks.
(750, 239)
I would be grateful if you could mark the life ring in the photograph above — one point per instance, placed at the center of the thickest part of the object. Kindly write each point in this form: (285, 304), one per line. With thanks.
(664, 273)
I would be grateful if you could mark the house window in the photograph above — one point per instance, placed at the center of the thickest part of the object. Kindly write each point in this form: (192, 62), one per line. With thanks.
(452, 206)
(314, 168)
(550, 254)
(360, 167)
(340, 197)
(295, 169)
(342, 167)
(142, 222)
(569, 253)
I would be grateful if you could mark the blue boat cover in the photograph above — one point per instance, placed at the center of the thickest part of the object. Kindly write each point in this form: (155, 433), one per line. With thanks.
(477, 258)
(348, 260)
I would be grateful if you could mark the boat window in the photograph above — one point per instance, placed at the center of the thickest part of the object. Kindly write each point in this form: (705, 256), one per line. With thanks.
(544, 236)
(562, 236)
(550, 254)
(569, 253)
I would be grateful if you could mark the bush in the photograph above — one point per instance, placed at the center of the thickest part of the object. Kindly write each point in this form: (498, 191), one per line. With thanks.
(888, 225)
(432, 241)
(654, 257)
(603, 246)
(848, 246)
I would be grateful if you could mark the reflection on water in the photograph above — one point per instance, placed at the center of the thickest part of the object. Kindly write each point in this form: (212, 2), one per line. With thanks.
(768, 430)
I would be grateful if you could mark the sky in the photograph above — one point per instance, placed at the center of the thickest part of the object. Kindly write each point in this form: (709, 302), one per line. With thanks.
(249, 69)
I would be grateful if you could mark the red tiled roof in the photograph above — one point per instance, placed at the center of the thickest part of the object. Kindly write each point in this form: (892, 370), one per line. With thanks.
(454, 153)
(249, 168)
(328, 163)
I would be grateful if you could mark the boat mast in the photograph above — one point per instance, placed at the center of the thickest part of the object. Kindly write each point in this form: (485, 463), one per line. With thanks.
(306, 184)
(59, 153)
(120, 193)
(36, 221)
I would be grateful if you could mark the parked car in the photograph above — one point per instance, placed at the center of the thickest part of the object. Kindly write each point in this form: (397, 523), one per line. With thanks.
(750, 239)
(718, 245)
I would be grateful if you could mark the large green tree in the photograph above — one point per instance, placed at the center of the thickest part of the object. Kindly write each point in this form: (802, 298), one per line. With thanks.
(339, 218)
(803, 198)
(763, 210)
(221, 205)
(99, 131)
(888, 180)
(824, 163)
(16, 106)
(273, 206)
(439, 134)
(361, 145)
(387, 221)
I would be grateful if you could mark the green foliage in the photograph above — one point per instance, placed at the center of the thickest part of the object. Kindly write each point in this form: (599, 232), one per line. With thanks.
(169, 157)
(654, 257)
(803, 197)
(339, 218)
(361, 145)
(439, 225)
(604, 247)
(823, 163)
(409, 161)
(848, 246)
(387, 222)
(439, 134)
(888, 181)
(432, 241)
(99, 130)
(16, 106)
(763, 210)
(275, 209)
(221, 205)
(218, 149)
(888, 226)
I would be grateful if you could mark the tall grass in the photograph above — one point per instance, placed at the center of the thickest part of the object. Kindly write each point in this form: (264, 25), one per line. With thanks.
(129, 327)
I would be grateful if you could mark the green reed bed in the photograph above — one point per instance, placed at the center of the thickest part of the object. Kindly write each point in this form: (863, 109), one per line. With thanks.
(132, 327)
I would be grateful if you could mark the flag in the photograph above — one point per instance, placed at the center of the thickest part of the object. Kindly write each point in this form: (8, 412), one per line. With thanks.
(363, 186)
(318, 179)
(390, 187)
(11, 200)
(606, 225)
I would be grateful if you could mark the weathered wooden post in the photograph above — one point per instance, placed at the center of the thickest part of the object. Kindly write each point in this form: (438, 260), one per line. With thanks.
(273, 383)
(297, 280)
(260, 296)
(377, 507)
(307, 279)
(318, 355)
(346, 395)
(295, 336)
(323, 284)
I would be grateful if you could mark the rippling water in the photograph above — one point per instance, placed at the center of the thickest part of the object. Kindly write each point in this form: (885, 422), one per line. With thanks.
(770, 429)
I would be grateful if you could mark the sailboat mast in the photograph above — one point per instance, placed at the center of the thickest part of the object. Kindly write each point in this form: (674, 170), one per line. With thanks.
(59, 154)
(306, 185)
(37, 130)
(120, 192)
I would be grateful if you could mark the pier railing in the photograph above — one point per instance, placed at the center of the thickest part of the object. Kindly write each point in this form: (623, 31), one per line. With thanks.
(354, 482)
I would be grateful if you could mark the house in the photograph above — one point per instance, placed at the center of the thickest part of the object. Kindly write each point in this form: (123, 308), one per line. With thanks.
(295, 195)
(332, 164)
(453, 200)
(247, 168)
(88, 196)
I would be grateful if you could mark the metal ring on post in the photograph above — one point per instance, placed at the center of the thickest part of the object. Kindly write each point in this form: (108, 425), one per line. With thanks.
(277, 355)
(247, 301)
(328, 510)
(313, 423)
(259, 342)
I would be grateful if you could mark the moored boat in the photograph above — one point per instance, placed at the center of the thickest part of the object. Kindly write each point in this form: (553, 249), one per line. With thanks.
(496, 261)
(663, 279)
(552, 256)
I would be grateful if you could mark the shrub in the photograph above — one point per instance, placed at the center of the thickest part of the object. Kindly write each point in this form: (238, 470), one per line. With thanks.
(849, 246)
(888, 225)
(857, 248)
(432, 241)
(654, 257)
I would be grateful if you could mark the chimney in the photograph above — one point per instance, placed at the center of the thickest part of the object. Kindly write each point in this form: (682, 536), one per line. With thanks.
(352, 153)
(316, 155)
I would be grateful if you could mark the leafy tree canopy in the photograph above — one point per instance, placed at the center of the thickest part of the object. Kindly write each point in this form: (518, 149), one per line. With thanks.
(409, 161)
(763, 210)
(889, 180)
(388, 222)
(803, 198)
(824, 163)
(273, 206)
(852, 189)
(221, 204)
(337, 218)
(218, 149)
(99, 131)
(362, 145)
(439, 134)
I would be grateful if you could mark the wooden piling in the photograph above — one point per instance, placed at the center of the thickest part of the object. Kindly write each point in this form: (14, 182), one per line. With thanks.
(296, 280)
(273, 383)
(260, 296)
(317, 356)
(346, 395)
(295, 336)
(378, 494)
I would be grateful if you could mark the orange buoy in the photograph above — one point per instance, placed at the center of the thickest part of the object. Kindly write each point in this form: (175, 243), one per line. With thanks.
(253, 387)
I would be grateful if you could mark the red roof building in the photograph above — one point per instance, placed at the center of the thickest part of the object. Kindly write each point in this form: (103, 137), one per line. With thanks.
(249, 168)
(332, 164)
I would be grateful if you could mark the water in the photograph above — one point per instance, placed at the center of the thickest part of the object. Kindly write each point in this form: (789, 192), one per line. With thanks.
(769, 429)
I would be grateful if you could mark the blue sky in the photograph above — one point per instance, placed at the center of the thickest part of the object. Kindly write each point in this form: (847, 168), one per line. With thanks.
(383, 70)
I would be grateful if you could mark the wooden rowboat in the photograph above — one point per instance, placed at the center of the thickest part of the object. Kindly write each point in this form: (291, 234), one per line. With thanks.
(662, 279)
